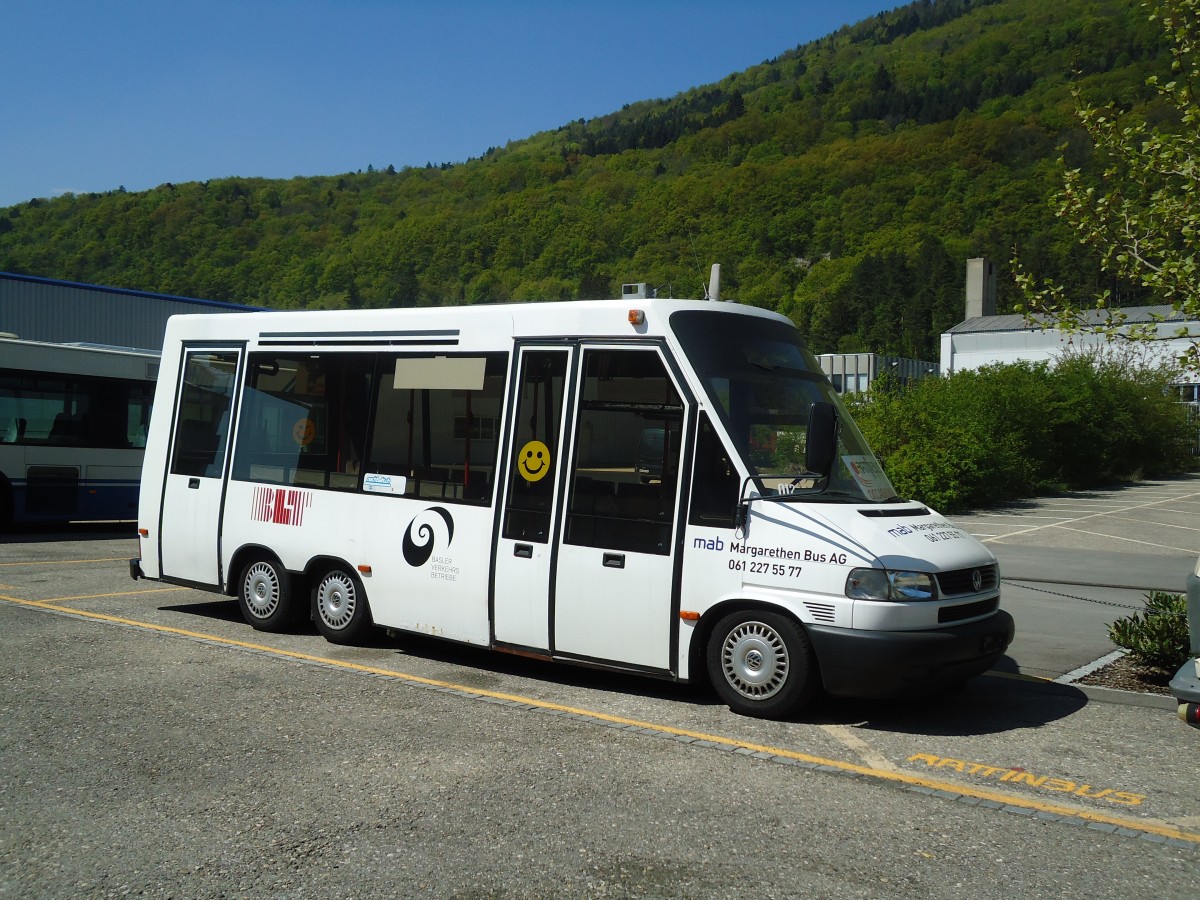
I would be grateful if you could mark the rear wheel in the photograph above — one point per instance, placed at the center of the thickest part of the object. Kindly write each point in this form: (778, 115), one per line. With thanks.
(762, 664)
(6, 505)
(265, 595)
(339, 606)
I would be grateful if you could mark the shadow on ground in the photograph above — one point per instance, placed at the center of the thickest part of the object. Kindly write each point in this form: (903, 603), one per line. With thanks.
(985, 705)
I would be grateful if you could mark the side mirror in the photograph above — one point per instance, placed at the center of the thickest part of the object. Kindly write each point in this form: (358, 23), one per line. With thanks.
(820, 445)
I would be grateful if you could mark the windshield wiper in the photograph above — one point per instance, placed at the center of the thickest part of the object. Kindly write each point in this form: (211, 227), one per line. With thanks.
(743, 507)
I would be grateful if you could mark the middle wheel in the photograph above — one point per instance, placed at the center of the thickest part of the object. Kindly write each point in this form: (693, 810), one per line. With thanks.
(339, 606)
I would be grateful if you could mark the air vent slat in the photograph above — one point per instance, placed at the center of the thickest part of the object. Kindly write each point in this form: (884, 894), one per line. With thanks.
(822, 612)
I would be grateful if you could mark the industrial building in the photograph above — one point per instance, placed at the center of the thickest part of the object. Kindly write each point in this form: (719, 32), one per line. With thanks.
(853, 373)
(984, 338)
(66, 312)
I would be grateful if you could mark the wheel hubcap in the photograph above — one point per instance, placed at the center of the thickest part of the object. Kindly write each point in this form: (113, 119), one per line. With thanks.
(261, 590)
(336, 600)
(754, 659)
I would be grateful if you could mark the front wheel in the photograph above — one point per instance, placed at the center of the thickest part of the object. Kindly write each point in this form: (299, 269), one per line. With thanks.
(264, 595)
(762, 664)
(339, 606)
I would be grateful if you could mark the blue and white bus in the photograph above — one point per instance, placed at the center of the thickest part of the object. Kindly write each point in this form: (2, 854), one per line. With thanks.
(73, 420)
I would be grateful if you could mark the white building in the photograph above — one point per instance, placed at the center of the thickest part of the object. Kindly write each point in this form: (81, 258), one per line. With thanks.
(985, 338)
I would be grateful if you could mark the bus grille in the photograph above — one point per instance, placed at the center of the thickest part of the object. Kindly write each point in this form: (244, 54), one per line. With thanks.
(962, 581)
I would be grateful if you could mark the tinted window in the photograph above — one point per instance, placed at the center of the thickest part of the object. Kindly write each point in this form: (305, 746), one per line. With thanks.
(625, 475)
(204, 408)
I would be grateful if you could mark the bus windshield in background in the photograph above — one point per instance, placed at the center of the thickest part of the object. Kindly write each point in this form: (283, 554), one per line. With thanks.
(761, 381)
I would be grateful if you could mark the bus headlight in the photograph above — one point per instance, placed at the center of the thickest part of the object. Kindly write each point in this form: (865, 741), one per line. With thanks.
(882, 584)
(912, 586)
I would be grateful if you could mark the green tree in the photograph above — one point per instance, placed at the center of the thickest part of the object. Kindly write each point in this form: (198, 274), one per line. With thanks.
(1140, 214)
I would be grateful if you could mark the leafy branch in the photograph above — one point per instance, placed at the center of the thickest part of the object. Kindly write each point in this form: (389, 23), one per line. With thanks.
(1140, 216)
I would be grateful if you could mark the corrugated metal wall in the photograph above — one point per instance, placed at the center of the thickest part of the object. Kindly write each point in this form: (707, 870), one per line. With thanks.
(852, 373)
(41, 309)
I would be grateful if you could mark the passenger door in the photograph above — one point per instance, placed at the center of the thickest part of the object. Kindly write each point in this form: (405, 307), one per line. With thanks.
(614, 585)
(189, 518)
(524, 549)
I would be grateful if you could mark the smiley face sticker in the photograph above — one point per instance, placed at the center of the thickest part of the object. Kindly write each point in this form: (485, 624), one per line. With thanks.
(533, 462)
(304, 431)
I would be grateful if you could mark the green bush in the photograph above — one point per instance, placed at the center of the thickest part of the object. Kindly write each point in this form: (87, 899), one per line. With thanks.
(1158, 637)
(1114, 418)
(1004, 432)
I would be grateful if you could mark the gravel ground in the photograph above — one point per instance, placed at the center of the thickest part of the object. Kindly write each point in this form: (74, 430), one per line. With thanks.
(137, 765)
(1125, 674)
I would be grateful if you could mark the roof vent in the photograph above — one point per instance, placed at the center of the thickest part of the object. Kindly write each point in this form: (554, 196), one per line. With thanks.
(639, 291)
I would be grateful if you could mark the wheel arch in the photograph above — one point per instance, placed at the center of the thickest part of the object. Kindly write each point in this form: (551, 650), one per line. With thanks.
(697, 661)
(319, 565)
(243, 555)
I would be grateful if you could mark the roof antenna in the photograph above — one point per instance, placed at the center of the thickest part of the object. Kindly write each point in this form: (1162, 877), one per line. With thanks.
(713, 291)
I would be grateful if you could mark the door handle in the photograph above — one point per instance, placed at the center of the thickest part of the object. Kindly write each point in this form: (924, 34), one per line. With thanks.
(614, 560)
(193, 483)
(524, 551)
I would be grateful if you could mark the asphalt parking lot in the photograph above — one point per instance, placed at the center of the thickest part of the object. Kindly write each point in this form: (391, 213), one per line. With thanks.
(151, 743)
(1072, 564)
(1158, 519)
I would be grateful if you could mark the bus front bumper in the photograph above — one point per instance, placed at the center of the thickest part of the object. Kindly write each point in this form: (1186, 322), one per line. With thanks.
(135, 569)
(894, 663)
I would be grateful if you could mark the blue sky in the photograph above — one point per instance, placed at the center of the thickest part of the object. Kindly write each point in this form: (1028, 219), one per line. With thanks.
(96, 94)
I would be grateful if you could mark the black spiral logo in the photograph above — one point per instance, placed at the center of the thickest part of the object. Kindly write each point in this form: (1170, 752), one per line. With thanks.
(417, 551)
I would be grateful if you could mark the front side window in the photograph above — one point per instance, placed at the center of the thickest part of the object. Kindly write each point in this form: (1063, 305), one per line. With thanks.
(715, 480)
(761, 381)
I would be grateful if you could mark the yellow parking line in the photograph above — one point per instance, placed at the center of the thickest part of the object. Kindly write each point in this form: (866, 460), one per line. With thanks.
(114, 594)
(1149, 826)
(62, 562)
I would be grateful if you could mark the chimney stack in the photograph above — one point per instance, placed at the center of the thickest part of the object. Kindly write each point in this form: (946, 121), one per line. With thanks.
(981, 288)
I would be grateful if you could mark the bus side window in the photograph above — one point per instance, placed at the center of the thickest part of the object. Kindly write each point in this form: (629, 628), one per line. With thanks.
(435, 423)
(14, 433)
(303, 419)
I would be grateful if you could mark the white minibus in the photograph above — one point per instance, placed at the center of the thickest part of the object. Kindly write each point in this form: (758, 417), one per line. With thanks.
(482, 474)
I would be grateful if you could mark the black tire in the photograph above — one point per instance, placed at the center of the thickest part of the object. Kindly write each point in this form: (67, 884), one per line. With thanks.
(6, 506)
(762, 664)
(339, 606)
(265, 594)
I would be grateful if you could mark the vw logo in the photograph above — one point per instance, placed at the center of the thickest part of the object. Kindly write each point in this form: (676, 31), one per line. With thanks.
(977, 580)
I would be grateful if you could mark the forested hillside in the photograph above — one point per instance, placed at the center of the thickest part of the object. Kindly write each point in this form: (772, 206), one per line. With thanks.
(844, 183)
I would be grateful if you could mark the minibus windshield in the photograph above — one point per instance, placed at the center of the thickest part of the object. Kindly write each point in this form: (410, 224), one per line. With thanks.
(761, 380)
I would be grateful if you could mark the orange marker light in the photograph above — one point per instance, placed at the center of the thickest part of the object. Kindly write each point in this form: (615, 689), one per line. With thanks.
(688, 616)
(366, 570)
(637, 317)
(144, 532)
